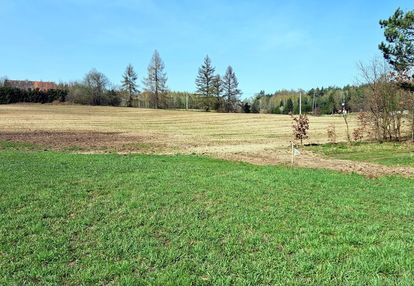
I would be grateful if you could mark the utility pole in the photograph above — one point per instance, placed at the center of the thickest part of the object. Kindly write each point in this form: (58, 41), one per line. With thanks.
(186, 101)
(313, 103)
(300, 103)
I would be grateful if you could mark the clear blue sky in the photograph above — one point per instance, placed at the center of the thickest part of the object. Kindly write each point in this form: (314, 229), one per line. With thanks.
(270, 44)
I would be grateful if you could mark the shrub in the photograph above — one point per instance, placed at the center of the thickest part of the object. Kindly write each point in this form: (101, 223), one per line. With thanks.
(15, 95)
(331, 133)
(363, 127)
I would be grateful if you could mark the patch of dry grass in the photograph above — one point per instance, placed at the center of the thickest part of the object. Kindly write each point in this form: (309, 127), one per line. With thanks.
(187, 131)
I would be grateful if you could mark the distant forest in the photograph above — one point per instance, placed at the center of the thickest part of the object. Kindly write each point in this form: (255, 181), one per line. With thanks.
(95, 89)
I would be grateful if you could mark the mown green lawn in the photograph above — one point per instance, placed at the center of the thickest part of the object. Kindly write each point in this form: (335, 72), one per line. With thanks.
(71, 219)
(391, 154)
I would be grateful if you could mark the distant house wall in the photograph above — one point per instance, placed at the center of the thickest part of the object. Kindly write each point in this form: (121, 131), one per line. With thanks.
(26, 84)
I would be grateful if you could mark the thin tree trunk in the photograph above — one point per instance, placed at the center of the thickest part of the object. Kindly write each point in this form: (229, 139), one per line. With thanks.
(130, 99)
(347, 129)
(156, 90)
(399, 128)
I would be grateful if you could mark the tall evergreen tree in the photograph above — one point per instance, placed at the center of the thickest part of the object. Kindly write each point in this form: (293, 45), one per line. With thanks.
(156, 81)
(129, 79)
(289, 106)
(205, 78)
(231, 92)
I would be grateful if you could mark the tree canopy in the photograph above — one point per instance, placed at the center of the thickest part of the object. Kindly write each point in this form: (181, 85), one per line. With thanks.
(96, 83)
(398, 50)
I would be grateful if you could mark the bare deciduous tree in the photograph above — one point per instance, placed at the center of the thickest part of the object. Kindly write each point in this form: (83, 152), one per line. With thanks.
(156, 80)
(231, 91)
(386, 102)
(96, 83)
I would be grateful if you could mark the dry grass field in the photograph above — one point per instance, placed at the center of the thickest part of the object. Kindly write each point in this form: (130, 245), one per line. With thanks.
(255, 138)
(176, 130)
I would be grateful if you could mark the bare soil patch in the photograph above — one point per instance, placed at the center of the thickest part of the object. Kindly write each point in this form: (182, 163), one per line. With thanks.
(86, 141)
(101, 142)
(310, 160)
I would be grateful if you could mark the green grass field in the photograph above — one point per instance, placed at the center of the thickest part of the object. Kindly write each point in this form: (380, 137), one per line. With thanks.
(391, 154)
(72, 219)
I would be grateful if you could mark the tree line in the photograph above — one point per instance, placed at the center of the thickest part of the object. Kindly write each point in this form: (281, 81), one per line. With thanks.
(213, 92)
(316, 101)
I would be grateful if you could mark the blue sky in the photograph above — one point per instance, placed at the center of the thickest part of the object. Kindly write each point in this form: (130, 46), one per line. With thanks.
(270, 44)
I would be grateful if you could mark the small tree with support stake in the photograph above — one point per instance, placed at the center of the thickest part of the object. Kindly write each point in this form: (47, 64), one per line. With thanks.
(300, 128)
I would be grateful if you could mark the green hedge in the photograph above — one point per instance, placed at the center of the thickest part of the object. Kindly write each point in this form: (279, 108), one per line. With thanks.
(15, 95)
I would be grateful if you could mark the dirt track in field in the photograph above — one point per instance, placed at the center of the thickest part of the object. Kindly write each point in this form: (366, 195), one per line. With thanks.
(308, 159)
(85, 141)
(101, 142)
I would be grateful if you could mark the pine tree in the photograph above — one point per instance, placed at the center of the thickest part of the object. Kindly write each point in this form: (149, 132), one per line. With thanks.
(289, 105)
(129, 79)
(204, 81)
(156, 81)
(231, 92)
(398, 50)
(205, 77)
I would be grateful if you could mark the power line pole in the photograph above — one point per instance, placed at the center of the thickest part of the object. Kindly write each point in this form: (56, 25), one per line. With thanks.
(300, 103)
(313, 103)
